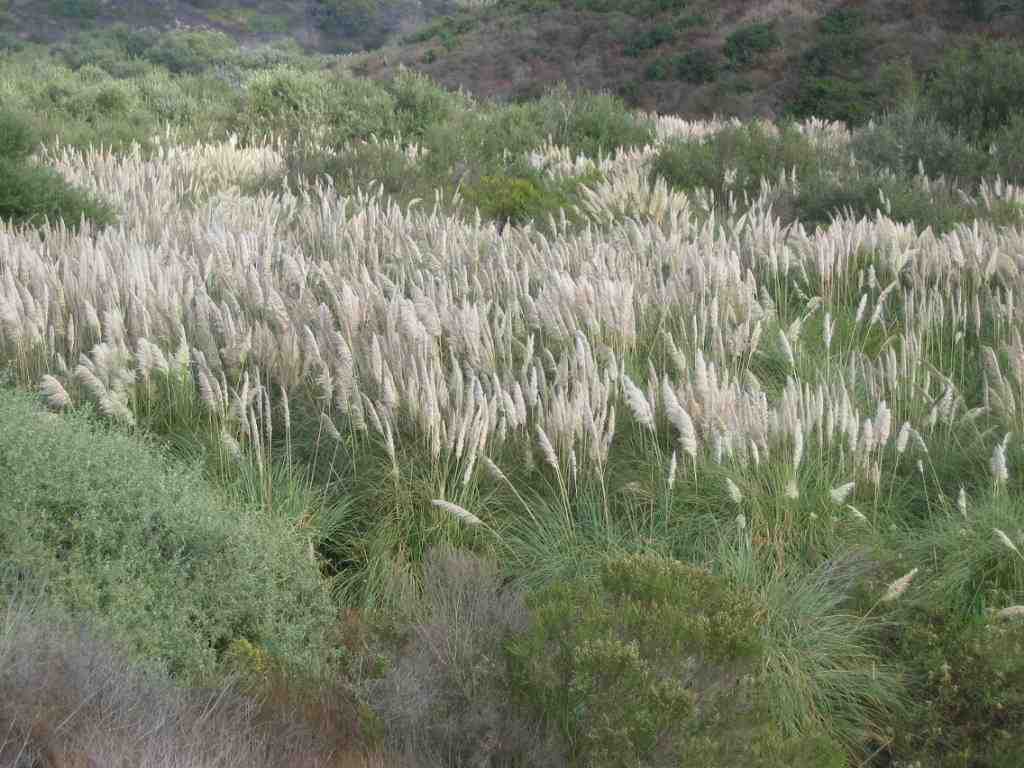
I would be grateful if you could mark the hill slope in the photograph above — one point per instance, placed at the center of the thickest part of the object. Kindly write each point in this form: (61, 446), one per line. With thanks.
(839, 58)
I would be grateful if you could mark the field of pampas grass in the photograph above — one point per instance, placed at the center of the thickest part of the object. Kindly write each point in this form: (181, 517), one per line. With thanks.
(679, 374)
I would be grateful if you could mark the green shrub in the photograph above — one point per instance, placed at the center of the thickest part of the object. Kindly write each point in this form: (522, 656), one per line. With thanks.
(650, 38)
(1009, 150)
(698, 66)
(659, 69)
(909, 139)
(747, 44)
(31, 194)
(976, 90)
(968, 691)
(75, 9)
(752, 151)
(833, 81)
(191, 50)
(590, 123)
(17, 138)
(632, 669)
(116, 533)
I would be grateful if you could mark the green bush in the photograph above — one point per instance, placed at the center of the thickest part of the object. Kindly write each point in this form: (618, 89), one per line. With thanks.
(833, 81)
(747, 44)
(634, 669)
(650, 38)
(116, 533)
(659, 69)
(512, 199)
(698, 66)
(31, 194)
(75, 9)
(1009, 150)
(752, 151)
(191, 50)
(976, 90)
(968, 691)
(591, 123)
(17, 138)
(909, 139)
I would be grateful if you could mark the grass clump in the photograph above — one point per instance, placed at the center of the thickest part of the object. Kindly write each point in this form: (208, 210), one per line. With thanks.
(147, 548)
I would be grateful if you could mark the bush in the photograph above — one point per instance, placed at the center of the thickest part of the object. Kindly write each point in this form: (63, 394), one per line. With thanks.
(747, 44)
(71, 698)
(976, 90)
(445, 695)
(635, 669)
(75, 9)
(697, 67)
(753, 152)
(151, 554)
(833, 83)
(30, 194)
(909, 139)
(17, 138)
(1009, 150)
(191, 50)
(590, 123)
(968, 691)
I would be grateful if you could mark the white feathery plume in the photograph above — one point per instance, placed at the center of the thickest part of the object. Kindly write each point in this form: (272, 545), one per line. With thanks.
(734, 492)
(899, 586)
(1000, 474)
(1006, 540)
(792, 491)
(680, 419)
(638, 404)
(903, 438)
(1011, 612)
(840, 494)
(798, 444)
(961, 502)
(54, 392)
(547, 449)
(672, 471)
(459, 513)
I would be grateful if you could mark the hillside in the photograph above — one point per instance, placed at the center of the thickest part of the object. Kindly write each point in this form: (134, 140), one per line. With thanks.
(833, 58)
(329, 26)
(842, 59)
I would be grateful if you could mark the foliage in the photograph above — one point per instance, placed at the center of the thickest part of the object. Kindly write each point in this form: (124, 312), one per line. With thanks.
(697, 66)
(31, 194)
(737, 159)
(910, 139)
(968, 690)
(627, 668)
(445, 694)
(833, 80)
(744, 47)
(153, 554)
(977, 89)
(657, 35)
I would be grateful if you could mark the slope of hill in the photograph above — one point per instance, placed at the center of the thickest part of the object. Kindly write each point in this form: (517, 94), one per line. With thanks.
(842, 59)
(836, 58)
(324, 25)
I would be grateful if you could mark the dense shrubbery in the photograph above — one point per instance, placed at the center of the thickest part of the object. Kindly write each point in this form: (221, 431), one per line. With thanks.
(977, 90)
(30, 194)
(148, 549)
(744, 47)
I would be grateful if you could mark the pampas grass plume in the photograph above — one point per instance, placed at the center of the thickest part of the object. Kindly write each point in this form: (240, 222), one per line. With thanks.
(460, 513)
(898, 587)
